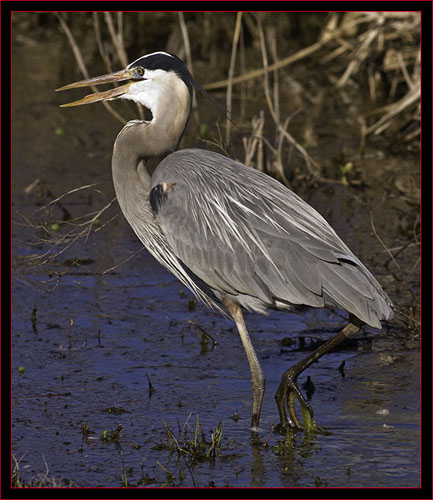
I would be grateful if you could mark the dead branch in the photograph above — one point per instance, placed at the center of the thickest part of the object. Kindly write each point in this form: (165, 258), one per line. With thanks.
(231, 72)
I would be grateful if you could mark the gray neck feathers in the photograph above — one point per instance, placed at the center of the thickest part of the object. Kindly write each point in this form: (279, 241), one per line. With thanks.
(138, 141)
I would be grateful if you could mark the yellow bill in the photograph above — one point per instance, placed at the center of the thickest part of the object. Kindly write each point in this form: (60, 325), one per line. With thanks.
(118, 76)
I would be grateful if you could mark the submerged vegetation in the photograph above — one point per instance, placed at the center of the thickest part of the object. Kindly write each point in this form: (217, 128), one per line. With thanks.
(192, 443)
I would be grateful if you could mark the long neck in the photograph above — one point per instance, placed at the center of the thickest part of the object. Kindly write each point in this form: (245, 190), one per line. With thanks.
(136, 142)
(130, 176)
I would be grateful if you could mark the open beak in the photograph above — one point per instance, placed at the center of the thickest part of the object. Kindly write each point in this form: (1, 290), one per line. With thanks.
(118, 76)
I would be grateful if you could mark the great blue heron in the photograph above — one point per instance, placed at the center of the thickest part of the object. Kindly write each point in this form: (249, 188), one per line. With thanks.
(231, 234)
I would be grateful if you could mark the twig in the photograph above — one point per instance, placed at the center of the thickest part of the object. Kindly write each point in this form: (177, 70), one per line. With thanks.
(410, 98)
(124, 261)
(360, 55)
(403, 68)
(271, 106)
(266, 74)
(187, 45)
(117, 39)
(231, 71)
(402, 247)
(266, 443)
(412, 135)
(363, 135)
(309, 162)
(412, 269)
(382, 242)
(52, 202)
(279, 160)
(185, 38)
(399, 313)
(272, 40)
(242, 65)
(256, 138)
(102, 52)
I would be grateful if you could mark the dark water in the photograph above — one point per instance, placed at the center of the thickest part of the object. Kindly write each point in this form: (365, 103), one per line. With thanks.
(143, 329)
(137, 321)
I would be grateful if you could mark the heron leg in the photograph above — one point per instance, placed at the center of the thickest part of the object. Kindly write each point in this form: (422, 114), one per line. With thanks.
(288, 389)
(257, 376)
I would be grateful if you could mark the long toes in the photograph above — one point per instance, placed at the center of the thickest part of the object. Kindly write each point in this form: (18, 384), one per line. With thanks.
(285, 397)
(294, 422)
(294, 390)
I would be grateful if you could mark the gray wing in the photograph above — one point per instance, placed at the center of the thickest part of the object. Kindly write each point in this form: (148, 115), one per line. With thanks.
(247, 236)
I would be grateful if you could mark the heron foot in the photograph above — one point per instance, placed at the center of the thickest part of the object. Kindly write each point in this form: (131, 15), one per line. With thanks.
(285, 396)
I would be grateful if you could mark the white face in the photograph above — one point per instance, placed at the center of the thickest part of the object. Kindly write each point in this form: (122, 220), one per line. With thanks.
(158, 90)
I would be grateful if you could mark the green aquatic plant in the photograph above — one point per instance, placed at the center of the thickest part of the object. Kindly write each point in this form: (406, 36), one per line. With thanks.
(192, 443)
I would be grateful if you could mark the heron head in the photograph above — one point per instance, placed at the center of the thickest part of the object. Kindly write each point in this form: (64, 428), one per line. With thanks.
(153, 79)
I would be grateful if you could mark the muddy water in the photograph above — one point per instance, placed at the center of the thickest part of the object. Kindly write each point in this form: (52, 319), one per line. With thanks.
(74, 384)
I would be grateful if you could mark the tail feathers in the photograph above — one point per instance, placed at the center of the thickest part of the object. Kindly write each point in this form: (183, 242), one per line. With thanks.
(356, 290)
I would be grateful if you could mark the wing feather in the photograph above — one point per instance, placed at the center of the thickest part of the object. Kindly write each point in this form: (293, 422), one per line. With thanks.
(245, 234)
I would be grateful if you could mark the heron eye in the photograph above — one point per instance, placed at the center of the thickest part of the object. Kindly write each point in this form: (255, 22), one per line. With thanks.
(140, 71)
